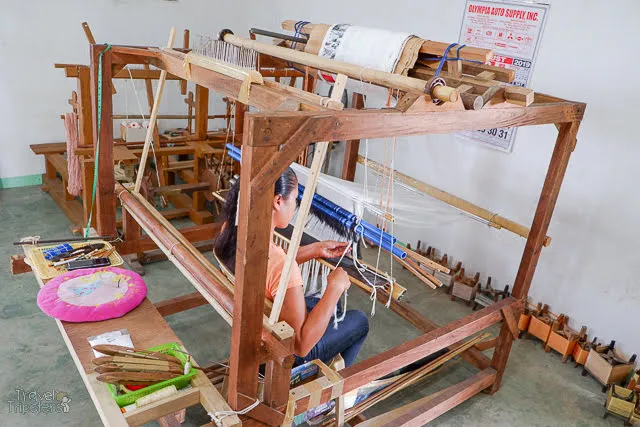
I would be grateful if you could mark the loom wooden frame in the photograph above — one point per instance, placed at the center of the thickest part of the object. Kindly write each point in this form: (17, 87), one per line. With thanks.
(272, 139)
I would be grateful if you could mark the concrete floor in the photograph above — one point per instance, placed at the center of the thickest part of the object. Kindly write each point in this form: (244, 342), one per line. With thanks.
(537, 389)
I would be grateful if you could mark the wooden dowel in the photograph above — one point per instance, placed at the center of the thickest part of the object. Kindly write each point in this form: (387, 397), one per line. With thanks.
(394, 81)
(492, 219)
(432, 282)
(153, 120)
(185, 45)
(423, 260)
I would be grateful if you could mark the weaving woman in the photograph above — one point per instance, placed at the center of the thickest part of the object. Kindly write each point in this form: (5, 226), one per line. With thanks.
(309, 317)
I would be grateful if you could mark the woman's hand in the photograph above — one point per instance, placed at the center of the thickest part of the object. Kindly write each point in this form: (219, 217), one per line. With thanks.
(338, 281)
(330, 249)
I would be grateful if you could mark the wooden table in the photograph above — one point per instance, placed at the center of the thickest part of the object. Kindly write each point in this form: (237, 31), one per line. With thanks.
(147, 328)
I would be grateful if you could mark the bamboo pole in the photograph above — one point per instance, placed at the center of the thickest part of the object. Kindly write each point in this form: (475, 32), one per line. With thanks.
(493, 219)
(152, 120)
(390, 80)
(303, 210)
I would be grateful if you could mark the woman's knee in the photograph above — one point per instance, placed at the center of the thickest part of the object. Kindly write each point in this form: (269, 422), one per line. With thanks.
(359, 321)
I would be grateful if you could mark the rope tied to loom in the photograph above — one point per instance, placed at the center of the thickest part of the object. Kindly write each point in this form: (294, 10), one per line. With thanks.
(218, 416)
(337, 319)
(444, 57)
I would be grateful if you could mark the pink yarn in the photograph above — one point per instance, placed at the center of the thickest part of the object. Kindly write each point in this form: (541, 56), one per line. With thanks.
(74, 186)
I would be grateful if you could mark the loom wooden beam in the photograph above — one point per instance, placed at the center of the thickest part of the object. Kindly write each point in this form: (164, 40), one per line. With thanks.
(262, 97)
(410, 351)
(250, 270)
(180, 304)
(276, 128)
(74, 71)
(564, 146)
(105, 198)
(430, 407)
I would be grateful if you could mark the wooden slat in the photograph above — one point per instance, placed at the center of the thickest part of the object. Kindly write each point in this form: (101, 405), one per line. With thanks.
(183, 188)
(105, 197)
(60, 164)
(179, 304)
(166, 406)
(410, 351)
(430, 407)
(49, 148)
(253, 241)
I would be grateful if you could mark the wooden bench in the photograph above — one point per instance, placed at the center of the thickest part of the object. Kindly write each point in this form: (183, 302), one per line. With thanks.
(147, 328)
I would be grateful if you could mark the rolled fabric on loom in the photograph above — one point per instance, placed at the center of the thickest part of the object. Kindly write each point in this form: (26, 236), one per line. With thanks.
(340, 215)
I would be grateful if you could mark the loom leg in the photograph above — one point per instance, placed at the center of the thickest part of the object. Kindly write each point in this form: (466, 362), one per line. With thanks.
(565, 143)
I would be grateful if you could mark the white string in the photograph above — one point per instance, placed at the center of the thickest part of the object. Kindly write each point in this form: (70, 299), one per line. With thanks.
(337, 319)
(153, 149)
(218, 416)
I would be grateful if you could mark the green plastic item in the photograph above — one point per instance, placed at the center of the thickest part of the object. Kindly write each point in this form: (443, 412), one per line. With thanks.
(180, 382)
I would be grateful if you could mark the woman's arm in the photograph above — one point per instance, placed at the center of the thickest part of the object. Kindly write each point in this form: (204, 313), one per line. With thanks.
(310, 328)
(324, 249)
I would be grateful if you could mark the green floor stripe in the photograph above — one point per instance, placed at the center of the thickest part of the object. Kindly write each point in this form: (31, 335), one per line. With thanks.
(20, 181)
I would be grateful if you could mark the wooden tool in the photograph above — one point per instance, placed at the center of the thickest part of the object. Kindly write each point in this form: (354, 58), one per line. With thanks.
(117, 350)
(136, 367)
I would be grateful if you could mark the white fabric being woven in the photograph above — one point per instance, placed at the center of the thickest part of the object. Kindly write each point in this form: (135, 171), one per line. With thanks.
(410, 207)
(367, 47)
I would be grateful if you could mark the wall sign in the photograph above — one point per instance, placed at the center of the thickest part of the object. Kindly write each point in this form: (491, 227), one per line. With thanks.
(513, 31)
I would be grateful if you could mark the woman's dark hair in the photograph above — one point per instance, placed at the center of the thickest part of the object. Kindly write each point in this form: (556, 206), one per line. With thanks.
(225, 246)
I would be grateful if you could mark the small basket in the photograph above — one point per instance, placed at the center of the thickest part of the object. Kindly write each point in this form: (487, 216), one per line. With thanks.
(180, 382)
(47, 271)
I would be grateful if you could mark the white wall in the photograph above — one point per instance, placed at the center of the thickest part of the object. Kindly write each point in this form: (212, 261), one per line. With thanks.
(591, 269)
(36, 34)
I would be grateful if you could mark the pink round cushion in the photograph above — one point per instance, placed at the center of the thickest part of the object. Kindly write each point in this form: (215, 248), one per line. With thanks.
(92, 294)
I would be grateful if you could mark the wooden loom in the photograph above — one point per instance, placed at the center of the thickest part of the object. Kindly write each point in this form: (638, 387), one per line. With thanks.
(288, 121)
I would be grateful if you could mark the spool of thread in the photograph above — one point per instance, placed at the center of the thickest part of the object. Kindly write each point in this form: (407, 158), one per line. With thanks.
(134, 125)
(157, 395)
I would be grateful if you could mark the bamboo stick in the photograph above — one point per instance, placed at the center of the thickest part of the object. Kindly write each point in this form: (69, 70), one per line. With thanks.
(153, 120)
(390, 80)
(423, 260)
(493, 219)
(303, 210)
